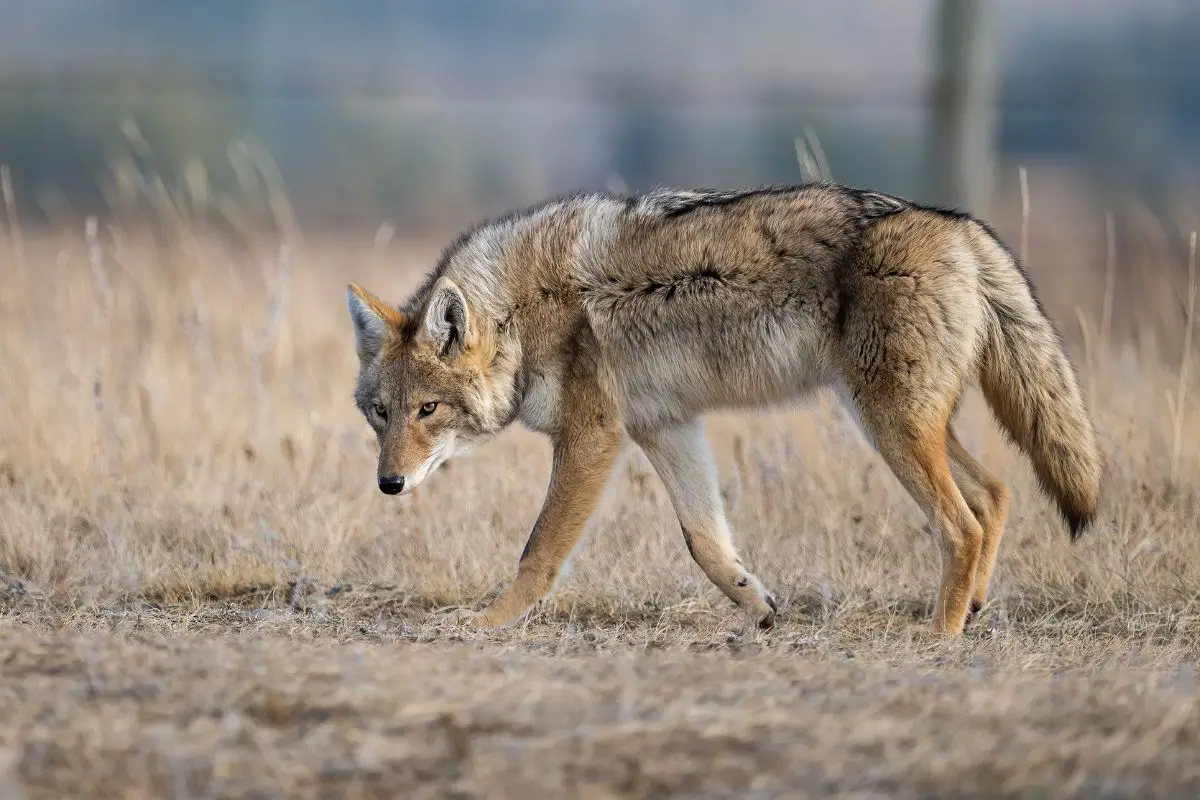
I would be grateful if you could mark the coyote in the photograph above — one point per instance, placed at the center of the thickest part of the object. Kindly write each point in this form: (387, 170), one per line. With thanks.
(607, 321)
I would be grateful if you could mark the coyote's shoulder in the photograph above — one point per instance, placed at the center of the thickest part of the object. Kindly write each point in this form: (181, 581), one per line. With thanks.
(602, 319)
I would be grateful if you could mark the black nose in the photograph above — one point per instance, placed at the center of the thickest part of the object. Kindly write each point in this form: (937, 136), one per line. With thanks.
(393, 484)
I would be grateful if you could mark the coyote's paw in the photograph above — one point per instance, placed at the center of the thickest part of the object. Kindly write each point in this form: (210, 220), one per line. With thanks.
(760, 615)
(458, 617)
(468, 618)
(766, 620)
(756, 602)
(487, 619)
(981, 621)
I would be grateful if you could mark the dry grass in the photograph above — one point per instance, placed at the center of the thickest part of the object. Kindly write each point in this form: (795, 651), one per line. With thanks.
(204, 594)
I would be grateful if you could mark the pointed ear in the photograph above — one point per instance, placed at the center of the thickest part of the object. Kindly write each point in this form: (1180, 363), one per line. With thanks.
(375, 322)
(447, 318)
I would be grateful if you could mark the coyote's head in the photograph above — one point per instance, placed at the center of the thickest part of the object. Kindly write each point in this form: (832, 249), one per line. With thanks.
(430, 383)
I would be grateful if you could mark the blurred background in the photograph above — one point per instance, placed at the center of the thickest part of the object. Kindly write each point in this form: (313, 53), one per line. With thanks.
(426, 115)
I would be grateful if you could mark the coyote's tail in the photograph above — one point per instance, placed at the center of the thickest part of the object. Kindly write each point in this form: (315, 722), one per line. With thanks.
(1034, 393)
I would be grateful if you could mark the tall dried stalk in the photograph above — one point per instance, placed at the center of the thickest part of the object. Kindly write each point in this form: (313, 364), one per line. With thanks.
(14, 222)
(278, 300)
(104, 294)
(1024, 176)
(106, 304)
(1110, 278)
(1186, 362)
(811, 157)
(814, 145)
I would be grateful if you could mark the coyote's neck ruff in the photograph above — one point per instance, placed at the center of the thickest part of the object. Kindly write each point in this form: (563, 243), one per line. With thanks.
(606, 321)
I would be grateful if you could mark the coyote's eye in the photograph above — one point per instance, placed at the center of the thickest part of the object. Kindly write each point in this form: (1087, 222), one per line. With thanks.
(426, 410)
(381, 411)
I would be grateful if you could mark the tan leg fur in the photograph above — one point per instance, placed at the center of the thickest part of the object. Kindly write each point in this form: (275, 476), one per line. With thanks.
(988, 500)
(922, 466)
(583, 466)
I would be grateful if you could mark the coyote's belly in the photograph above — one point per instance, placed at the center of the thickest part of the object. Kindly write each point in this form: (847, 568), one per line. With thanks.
(722, 363)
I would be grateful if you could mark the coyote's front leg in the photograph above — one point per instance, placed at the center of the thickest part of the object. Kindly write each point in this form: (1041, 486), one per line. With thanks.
(684, 462)
(584, 458)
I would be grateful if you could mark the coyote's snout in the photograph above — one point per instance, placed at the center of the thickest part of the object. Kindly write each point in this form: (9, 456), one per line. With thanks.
(605, 322)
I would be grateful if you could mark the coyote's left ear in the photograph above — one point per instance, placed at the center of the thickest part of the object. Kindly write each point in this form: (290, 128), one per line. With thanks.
(375, 322)
(447, 318)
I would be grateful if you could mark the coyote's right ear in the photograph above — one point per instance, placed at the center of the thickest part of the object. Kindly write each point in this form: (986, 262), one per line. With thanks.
(375, 322)
(447, 319)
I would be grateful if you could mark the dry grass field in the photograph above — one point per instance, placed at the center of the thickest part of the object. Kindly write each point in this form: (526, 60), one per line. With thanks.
(203, 594)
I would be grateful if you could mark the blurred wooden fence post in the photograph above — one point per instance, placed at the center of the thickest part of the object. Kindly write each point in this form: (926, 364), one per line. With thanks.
(962, 141)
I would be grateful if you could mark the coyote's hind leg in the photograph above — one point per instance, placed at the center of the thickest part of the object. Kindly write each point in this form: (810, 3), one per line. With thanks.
(988, 498)
(914, 442)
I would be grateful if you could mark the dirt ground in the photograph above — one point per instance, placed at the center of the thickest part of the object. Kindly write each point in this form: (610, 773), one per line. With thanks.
(263, 699)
